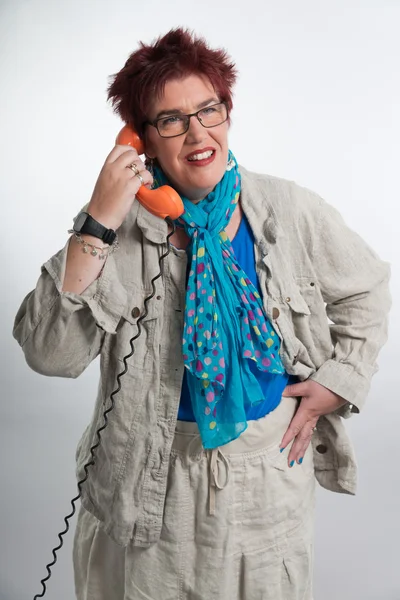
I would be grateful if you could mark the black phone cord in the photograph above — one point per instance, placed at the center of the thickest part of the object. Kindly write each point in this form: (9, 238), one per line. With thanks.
(106, 412)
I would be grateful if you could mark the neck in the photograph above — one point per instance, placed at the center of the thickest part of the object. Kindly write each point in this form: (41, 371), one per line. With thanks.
(196, 196)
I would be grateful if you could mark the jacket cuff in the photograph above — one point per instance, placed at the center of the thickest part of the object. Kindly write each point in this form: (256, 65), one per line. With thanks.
(342, 379)
(106, 297)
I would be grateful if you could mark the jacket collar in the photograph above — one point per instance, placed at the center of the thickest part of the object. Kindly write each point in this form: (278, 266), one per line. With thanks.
(153, 228)
(257, 196)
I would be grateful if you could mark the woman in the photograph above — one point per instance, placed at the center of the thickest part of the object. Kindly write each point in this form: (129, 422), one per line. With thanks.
(203, 486)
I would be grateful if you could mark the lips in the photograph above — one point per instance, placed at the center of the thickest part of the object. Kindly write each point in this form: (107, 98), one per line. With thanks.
(204, 161)
(200, 151)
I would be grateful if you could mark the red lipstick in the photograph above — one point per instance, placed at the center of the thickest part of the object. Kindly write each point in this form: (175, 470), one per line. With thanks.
(204, 161)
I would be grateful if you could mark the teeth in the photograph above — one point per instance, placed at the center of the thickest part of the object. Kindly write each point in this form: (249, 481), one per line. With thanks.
(202, 156)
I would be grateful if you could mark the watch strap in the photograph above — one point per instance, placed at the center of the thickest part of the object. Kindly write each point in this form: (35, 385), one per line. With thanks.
(96, 229)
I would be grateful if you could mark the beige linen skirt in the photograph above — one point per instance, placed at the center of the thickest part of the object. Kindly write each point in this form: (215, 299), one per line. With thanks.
(237, 525)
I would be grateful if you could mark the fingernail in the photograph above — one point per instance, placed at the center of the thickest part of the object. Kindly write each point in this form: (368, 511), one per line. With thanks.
(281, 450)
(291, 464)
(300, 460)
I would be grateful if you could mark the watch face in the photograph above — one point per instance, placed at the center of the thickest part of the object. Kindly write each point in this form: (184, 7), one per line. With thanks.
(80, 221)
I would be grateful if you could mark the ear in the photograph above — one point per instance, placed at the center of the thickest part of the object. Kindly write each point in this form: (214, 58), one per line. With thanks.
(150, 155)
(149, 147)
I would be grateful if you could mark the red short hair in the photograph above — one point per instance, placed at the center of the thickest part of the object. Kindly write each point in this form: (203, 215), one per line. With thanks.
(177, 54)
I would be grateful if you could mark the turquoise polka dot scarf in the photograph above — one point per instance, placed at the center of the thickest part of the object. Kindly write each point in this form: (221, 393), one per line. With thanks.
(225, 326)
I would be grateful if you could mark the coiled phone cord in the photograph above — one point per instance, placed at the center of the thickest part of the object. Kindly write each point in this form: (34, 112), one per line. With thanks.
(106, 412)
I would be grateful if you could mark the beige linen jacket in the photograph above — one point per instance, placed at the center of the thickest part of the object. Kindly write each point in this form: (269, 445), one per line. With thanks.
(324, 290)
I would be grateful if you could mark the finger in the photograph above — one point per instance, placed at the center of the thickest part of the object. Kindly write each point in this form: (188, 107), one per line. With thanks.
(296, 389)
(119, 151)
(137, 166)
(296, 425)
(145, 176)
(128, 158)
(303, 450)
(124, 153)
(300, 444)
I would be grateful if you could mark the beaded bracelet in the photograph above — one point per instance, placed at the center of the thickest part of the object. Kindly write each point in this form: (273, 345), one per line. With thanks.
(95, 249)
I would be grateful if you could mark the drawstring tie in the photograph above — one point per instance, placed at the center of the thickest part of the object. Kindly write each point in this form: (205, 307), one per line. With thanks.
(216, 460)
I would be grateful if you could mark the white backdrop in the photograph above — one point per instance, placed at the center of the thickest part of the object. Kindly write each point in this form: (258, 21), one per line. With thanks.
(318, 102)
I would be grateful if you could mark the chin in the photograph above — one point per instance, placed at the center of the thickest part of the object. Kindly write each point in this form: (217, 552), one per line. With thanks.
(202, 189)
(198, 184)
(208, 181)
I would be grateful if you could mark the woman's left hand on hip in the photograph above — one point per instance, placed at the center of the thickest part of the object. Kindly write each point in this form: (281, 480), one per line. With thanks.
(316, 400)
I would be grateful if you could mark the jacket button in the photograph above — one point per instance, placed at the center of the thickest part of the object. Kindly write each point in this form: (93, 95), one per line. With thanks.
(288, 299)
(322, 449)
(135, 312)
(275, 312)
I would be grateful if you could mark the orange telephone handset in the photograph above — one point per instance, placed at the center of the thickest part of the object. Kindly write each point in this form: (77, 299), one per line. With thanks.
(162, 202)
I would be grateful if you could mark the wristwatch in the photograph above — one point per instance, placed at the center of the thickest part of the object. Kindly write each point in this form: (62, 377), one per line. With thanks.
(84, 223)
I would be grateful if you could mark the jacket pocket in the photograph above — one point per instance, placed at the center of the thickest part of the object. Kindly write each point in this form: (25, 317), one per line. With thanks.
(314, 331)
(137, 307)
(140, 322)
(286, 311)
(290, 315)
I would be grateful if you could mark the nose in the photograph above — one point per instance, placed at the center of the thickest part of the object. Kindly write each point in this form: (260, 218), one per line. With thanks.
(196, 131)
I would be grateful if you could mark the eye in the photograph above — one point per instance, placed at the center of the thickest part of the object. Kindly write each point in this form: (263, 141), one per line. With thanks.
(209, 110)
(171, 120)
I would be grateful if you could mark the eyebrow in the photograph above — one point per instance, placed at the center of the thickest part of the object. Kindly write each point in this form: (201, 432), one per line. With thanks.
(176, 111)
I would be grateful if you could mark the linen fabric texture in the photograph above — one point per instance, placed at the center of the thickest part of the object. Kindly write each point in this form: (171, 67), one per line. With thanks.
(254, 540)
(310, 266)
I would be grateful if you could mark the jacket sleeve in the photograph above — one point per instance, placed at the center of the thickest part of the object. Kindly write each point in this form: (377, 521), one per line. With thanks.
(355, 286)
(60, 332)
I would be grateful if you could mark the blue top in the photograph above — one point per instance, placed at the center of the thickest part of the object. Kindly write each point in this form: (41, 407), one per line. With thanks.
(272, 385)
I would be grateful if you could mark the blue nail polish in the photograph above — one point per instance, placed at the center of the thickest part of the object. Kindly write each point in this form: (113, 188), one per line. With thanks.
(291, 464)
(300, 460)
(281, 450)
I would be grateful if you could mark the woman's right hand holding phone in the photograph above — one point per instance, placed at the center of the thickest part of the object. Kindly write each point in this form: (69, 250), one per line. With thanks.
(112, 199)
(117, 186)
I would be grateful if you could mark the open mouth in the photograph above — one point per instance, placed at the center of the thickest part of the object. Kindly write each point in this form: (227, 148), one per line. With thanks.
(201, 156)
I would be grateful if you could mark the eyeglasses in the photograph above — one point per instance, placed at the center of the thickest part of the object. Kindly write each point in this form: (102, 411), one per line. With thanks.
(175, 125)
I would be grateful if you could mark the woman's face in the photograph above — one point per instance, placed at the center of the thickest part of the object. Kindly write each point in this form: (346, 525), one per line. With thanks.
(193, 179)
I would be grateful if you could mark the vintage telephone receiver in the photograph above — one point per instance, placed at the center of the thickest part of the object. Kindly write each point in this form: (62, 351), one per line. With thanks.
(164, 202)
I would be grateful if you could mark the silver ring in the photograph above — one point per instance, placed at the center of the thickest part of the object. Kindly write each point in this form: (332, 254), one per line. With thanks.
(138, 175)
(133, 168)
(314, 429)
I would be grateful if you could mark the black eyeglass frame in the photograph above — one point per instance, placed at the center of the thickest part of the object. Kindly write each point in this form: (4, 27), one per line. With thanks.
(188, 117)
